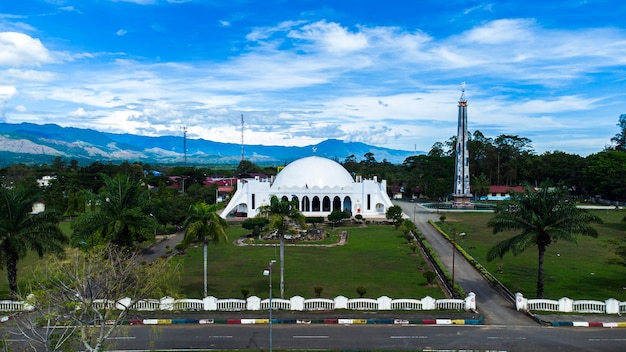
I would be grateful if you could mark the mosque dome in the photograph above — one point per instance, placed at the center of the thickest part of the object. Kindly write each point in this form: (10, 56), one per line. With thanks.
(313, 171)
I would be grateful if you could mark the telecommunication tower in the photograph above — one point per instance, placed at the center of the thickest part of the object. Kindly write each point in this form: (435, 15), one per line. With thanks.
(185, 144)
(242, 152)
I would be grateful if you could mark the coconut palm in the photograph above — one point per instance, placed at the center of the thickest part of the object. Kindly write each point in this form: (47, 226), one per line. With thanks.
(543, 217)
(205, 225)
(21, 231)
(282, 214)
(121, 216)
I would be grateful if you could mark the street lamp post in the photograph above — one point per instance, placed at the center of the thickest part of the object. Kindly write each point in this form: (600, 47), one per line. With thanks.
(267, 272)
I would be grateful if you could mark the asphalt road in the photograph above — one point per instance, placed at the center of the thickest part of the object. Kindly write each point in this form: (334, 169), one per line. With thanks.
(368, 337)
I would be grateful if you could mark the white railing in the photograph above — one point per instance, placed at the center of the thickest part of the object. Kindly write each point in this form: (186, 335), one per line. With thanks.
(255, 303)
(11, 306)
(610, 306)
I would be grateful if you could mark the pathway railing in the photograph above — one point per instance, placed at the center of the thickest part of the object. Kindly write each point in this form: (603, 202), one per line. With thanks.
(296, 303)
(567, 305)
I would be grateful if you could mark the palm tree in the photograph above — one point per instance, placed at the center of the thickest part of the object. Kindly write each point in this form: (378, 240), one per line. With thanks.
(204, 225)
(544, 217)
(121, 218)
(282, 214)
(21, 231)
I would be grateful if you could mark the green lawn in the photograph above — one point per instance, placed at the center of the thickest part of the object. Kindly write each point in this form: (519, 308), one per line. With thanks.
(378, 258)
(375, 257)
(577, 271)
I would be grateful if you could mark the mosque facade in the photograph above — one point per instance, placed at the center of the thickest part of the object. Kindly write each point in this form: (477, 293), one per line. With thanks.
(319, 185)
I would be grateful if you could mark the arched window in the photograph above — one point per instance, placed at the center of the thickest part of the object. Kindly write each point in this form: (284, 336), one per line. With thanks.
(306, 204)
(347, 205)
(296, 201)
(315, 204)
(336, 204)
(326, 204)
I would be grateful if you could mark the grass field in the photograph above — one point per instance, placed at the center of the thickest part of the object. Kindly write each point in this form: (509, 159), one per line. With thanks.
(379, 259)
(375, 257)
(577, 271)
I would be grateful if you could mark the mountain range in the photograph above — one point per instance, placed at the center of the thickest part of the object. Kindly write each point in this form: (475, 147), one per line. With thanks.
(31, 143)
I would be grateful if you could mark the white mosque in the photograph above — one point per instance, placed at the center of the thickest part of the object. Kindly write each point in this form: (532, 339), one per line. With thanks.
(320, 186)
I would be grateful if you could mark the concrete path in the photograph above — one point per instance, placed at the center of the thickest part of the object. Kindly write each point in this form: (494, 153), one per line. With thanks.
(491, 304)
(160, 248)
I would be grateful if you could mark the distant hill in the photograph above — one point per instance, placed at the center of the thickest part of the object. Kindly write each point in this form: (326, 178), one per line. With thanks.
(30, 143)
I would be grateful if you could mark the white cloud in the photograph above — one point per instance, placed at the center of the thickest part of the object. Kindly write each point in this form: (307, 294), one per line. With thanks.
(330, 37)
(18, 49)
(7, 92)
(501, 31)
(121, 32)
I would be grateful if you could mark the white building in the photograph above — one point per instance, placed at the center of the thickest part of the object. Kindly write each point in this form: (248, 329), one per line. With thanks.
(320, 185)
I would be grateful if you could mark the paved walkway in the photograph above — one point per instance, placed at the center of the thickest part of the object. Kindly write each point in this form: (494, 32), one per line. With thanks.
(491, 304)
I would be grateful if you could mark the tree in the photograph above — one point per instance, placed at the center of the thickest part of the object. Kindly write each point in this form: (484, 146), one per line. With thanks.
(79, 302)
(282, 213)
(543, 217)
(480, 186)
(255, 225)
(604, 175)
(21, 231)
(336, 216)
(620, 138)
(121, 218)
(205, 225)
(409, 230)
(394, 213)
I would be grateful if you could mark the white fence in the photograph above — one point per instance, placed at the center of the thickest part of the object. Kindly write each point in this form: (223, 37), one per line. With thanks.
(296, 303)
(610, 306)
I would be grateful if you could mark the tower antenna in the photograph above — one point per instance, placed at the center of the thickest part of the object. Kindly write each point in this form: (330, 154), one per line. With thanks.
(185, 144)
(242, 151)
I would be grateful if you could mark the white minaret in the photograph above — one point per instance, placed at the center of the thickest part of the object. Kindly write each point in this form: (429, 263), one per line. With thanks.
(462, 192)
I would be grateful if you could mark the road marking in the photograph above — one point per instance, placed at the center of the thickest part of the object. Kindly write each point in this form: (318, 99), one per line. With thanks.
(221, 337)
(310, 336)
(408, 337)
(505, 338)
(122, 338)
(604, 340)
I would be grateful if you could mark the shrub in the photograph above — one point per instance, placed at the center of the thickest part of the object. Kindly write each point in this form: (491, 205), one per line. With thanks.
(318, 291)
(361, 290)
(245, 292)
(430, 277)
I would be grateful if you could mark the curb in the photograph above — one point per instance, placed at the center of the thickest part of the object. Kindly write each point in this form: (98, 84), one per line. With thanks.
(589, 324)
(341, 321)
(584, 324)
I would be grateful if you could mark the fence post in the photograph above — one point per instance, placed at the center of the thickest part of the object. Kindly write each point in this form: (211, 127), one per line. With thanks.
(297, 303)
(429, 303)
(612, 306)
(166, 303)
(521, 303)
(253, 303)
(470, 301)
(341, 302)
(566, 305)
(210, 303)
(384, 303)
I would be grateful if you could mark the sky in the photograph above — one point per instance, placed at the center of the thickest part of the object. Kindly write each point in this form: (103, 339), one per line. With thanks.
(385, 73)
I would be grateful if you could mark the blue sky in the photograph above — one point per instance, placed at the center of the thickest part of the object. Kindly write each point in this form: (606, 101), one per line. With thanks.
(386, 73)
